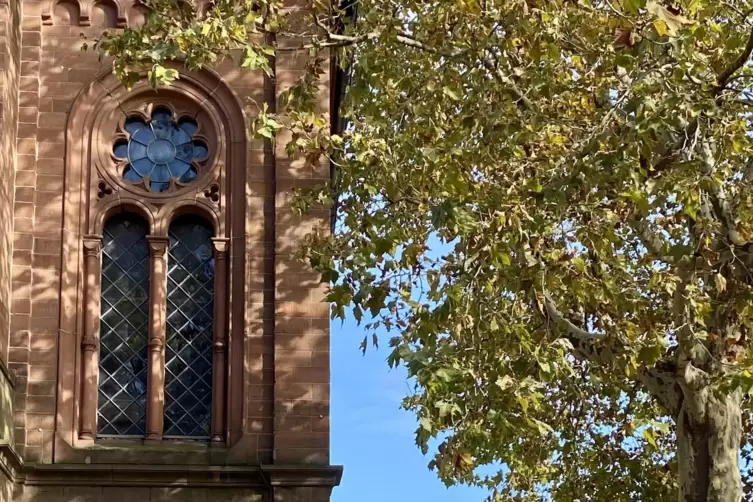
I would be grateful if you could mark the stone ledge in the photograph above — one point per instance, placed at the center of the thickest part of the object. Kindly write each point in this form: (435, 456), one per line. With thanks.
(302, 475)
(260, 476)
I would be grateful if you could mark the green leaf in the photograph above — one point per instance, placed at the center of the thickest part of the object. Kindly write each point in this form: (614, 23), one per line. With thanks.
(450, 93)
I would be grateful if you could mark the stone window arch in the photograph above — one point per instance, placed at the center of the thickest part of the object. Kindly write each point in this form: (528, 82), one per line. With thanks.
(150, 169)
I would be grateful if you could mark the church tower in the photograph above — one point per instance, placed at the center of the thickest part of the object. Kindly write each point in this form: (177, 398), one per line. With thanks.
(158, 341)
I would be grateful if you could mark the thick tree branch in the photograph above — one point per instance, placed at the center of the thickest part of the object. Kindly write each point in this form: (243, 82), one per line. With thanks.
(719, 195)
(738, 63)
(663, 386)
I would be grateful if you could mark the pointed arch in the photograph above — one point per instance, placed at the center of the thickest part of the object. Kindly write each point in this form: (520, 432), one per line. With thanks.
(93, 191)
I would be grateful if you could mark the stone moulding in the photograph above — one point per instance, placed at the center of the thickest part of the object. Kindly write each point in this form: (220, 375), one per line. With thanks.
(258, 476)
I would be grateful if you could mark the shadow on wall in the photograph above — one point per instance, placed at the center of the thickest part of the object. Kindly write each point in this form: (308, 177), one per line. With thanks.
(286, 347)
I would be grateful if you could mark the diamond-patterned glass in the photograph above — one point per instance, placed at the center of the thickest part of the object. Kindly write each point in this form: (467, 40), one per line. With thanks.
(123, 328)
(190, 319)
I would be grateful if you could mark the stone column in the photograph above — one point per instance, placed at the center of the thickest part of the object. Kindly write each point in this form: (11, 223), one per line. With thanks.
(156, 370)
(90, 339)
(219, 353)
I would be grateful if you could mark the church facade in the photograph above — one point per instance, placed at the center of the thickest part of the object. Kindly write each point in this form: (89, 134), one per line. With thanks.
(158, 340)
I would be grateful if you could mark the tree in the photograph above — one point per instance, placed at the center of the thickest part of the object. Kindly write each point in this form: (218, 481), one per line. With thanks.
(586, 166)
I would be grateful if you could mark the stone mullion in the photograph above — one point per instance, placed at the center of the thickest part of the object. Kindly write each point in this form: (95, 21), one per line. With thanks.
(157, 327)
(219, 352)
(90, 340)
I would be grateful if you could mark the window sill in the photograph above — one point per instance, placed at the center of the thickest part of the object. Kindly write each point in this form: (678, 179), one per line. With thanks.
(172, 452)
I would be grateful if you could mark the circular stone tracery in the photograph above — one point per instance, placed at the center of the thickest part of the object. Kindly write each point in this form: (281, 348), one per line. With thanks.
(160, 150)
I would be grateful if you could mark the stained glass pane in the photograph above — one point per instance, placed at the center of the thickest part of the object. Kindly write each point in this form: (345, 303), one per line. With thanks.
(185, 152)
(131, 175)
(162, 143)
(178, 136)
(190, 319)
(124, 325)
(178, 168)
(161, 173)
(161, 128)
(189, 176)
(162, 115)
(143, 136)
(200, 150)
(189, 126)
(120, 149)
(155, 186)
(133, 124)
(143, 166)
(136, 151)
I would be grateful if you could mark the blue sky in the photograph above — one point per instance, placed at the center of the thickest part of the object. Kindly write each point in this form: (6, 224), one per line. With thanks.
(371, 436)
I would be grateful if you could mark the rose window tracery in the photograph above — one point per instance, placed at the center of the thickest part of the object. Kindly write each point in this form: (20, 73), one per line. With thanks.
(160, 152)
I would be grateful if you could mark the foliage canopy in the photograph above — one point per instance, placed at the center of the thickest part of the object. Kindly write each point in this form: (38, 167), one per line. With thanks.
(547, 203)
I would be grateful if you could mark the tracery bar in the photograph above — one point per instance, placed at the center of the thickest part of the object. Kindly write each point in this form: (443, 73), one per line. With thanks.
(219, 344)
(156, 379)
(90, 339)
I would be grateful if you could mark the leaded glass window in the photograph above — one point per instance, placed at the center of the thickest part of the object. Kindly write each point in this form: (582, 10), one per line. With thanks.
(160, 151)
(123, 327)
(190, 318)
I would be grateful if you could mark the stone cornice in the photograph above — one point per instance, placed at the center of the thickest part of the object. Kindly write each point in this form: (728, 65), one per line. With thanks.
(302, 475)
(260, 477)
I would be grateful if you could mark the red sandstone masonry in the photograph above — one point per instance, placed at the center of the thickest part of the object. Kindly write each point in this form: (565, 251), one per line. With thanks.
(286, 335)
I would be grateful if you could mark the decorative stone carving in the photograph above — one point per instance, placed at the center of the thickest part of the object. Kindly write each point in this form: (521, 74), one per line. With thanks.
(103, 189)
(213, 192)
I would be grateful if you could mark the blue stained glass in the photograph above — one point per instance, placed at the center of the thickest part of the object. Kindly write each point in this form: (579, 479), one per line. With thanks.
(200, 150)
(143, 136)
(143, 167)
(120, 149)
(189, 126)
(131, 175)
(162, 114)
(162, 129)
(185, 152)
(133, 124)
(178, 168)
(136, 151)
(178, 136)
(161, 174)
(161, 150)
(189, 176)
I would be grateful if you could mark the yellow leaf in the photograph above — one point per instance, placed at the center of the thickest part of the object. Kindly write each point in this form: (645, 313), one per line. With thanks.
(673, 22)
(661, 28)
(648, 435)
(523, 402)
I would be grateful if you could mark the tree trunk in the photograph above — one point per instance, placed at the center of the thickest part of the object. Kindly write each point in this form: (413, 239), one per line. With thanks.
(709, 429)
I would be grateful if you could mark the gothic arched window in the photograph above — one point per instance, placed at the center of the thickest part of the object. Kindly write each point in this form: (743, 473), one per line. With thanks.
(150, 208)
(190, 321)
(124, 327)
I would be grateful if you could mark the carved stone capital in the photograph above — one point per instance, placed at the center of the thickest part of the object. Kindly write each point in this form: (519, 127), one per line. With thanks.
(221, 246)
(157, 245)
(92, 245)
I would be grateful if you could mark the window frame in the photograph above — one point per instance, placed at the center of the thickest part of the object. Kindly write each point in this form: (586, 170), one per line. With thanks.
(92, 195)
